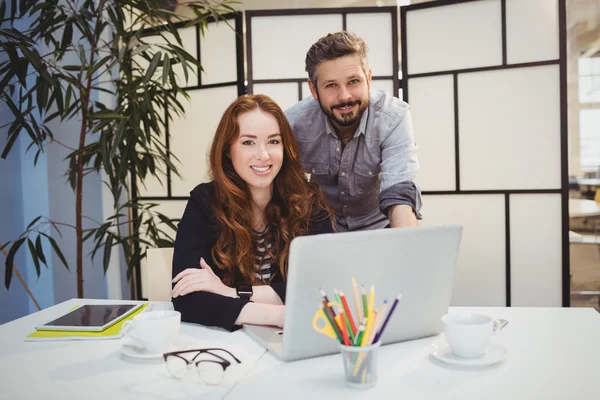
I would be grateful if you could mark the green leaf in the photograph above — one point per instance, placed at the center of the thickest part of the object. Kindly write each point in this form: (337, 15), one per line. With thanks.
(40, 250)
(33, 222)
(107, 250)
(34, 257)
(152, 67)
(57, 251)
(9, 261)
(166, 69)
(67, 37)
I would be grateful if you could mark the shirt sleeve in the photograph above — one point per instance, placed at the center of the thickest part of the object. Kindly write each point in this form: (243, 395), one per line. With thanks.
(195, 239)
(399, 166)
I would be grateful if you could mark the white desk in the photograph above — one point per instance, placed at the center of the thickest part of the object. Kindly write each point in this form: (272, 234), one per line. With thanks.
(96, 369)
(583, 208)
(553, 353)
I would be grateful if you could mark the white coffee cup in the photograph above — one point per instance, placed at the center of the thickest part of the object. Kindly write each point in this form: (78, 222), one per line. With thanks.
(469, 334)
(156, 330)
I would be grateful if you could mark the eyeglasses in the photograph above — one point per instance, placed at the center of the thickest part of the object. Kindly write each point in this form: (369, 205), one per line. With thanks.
(210, 370)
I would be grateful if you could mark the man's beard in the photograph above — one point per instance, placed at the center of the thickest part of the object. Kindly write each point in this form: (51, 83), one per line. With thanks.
(349, 118)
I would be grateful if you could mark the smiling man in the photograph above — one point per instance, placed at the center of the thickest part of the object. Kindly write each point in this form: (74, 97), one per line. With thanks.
(357, 143)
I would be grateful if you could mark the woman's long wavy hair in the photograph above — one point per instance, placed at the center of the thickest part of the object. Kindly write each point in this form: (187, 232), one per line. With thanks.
(289, 212)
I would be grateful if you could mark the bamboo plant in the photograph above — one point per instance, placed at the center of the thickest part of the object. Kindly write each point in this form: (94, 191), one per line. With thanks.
(88, 62)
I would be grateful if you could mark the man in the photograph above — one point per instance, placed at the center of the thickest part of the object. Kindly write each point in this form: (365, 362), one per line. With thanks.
(355, 142)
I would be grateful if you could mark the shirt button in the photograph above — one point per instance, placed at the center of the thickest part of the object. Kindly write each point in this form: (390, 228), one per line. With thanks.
(343, 174)
(342, 193)
(370, 173)
(338, 149)
(313, 170)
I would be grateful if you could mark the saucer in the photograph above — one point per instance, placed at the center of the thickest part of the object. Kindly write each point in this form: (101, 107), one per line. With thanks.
(493, 354)
(136, 350)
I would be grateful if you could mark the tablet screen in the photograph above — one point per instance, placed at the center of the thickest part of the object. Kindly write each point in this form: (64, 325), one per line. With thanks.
(93, 315)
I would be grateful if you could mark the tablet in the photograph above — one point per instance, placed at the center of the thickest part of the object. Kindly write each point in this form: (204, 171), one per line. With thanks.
(90, 317)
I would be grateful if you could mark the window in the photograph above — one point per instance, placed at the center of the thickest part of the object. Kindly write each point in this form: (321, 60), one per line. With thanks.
(589, 139)
(589, 80)
(589, 113)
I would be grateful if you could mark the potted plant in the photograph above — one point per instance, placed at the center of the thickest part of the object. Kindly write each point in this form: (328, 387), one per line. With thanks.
(87, 62)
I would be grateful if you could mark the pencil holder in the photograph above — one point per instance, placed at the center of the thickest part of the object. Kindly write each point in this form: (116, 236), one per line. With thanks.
(360, 365)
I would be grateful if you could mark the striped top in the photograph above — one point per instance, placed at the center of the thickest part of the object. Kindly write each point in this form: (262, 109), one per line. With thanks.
(263, 260)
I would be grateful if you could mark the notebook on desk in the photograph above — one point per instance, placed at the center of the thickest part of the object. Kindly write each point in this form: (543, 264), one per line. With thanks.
(418, 262)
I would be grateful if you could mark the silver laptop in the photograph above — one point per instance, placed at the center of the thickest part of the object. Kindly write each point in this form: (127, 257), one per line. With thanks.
(417, 262)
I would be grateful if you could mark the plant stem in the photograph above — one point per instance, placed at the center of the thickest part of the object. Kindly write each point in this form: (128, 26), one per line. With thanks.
(85, 100)
(31, 296)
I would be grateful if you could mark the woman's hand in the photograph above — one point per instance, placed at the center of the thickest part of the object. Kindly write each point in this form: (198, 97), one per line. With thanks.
(200, 280)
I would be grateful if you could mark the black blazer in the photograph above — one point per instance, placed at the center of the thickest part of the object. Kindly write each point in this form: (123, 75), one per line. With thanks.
(197, 234)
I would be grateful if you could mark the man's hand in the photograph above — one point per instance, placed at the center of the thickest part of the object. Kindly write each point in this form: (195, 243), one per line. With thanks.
(200, 280)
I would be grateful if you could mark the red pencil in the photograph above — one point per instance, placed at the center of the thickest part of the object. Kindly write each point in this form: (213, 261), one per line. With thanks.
(344, 329)
(347, 311)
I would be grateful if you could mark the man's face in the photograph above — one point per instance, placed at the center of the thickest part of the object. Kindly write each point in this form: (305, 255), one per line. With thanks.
(342, 90)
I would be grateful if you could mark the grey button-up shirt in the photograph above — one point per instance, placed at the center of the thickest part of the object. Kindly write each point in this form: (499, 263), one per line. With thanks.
(374, 171)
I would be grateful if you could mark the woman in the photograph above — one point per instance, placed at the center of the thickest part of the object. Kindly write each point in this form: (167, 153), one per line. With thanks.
(233, 242)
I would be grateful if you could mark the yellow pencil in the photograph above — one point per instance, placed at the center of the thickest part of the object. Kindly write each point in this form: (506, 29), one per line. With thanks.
(371, 299)
(367, 334)
(359, 310)
(380, 313)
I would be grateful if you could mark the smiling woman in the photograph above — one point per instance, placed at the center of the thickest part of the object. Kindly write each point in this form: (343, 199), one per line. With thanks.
(232, 246)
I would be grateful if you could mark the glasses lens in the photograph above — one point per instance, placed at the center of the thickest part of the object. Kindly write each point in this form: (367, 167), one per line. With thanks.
(177, 366)
(210, 372)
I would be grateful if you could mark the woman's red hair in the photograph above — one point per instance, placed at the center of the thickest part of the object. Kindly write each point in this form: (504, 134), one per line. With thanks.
(289, 212)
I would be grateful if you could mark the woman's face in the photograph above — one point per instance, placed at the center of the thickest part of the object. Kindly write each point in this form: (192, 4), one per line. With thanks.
(257, 153)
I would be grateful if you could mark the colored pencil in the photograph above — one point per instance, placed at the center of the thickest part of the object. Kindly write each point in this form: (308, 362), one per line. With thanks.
(371, 299)
(364, 301)
(370, 321)
(329, 312)
(359, 309)
(347, 311)
(387, 318)
(332, 324)
(344, 329)
(379, 312)
(380, 318)
(324, 295)
(360, 332)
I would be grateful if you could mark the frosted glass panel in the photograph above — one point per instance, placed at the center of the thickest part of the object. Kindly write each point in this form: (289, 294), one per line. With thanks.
(383, 84)
(509, 129)
(189, 39)
(172, 209)
(152, 187)
(284, 94)
(218, 53)
(457, 36)
(480, 278)
(279, 51)
(192, 135)
(376, 30)
(531, 30)
(429, 97)
(536, 250)
(305, 90)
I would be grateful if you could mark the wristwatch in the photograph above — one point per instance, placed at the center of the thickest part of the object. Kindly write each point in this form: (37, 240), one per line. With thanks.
(244, 290)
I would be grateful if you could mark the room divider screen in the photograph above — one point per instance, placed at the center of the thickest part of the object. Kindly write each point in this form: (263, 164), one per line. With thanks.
(486, 81)
(487, 84)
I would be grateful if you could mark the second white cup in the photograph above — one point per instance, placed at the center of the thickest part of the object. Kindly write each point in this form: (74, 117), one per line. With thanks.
(156, 330)
(469, 334)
